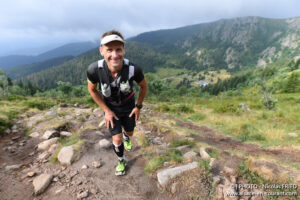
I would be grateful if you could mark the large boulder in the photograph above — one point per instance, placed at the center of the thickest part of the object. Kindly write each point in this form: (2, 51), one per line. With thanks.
(65, 155)
(41, 183)
(166, 174)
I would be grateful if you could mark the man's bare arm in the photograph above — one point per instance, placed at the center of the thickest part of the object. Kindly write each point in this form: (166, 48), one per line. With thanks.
(143, 90)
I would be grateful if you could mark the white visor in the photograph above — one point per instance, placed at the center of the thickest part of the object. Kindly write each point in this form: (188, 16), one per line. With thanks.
(111, 38)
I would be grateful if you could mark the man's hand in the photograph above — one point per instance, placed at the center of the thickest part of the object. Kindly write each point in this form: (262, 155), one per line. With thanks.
(135, 111)
(109, 116)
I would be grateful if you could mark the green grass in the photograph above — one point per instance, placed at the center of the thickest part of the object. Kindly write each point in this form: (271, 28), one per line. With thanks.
(223, 113)
(181, 142)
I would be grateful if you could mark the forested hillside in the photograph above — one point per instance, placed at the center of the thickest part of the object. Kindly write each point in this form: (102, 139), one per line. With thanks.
(232, 44)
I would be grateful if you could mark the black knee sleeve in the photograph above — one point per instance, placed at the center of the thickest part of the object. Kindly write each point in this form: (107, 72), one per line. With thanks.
(119, 150)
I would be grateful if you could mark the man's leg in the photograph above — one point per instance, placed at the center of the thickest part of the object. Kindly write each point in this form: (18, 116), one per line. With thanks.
(128, 123)
(118, 146)
(127, 140)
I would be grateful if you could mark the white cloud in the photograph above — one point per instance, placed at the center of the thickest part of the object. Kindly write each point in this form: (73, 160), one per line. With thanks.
(82, 20)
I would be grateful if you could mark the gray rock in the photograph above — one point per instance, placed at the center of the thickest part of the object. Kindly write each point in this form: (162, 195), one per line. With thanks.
(52, 148)
(68, 117)
(95, 110)
(15, 127)
(35, 134)
(7, 131)
(51, 112)
(65, 133)
(41, 183)
(101, 124)
(244, 106)
(228, 170)
(204, 154)
(160, 151)
(84, 167)
(46, 144)
(91, 117)
(212, 162)
(60, 190)
(183, 148)
(99, 133)
(96, 164)
(65, 155)
(190, 155)
(164, 175)
(12, 167)
(293, 134)
(104, 143)
(43, 155)
(83, 194)
(31, 174)
(50, 134)
(174, 187)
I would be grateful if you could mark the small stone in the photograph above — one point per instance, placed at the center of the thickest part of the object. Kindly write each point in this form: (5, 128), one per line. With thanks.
(12, 167)
(160, 151)
(52, 148)
(99, 133)
(14, 127)
(101, 124)
(228, 170)
(60, 190)
(293, 134)
(41, 183)
(65, 133)
(46, 144)
(55, 179)
(96, 164)
(233, 179)
(43, 155)
(204, 154)
(212, 162)
(83, 194)
(104, 143)
(15, 138)
(65, 155)
(68, 117)
(7, 131)
(190, 155)
(50, 134)
(61, 175)
(183, 148)
(31, 154)
(216, 179)
(84, 167)
(94, 191)
(31, 174)
(15, 131)
(174, 187)
(95, 110)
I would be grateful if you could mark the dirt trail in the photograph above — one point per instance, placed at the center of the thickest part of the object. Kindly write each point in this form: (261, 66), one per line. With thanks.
(211, 137)
(16, 148)
(101, 182)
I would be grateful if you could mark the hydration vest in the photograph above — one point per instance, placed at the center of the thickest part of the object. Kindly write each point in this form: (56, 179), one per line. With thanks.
(121, 84)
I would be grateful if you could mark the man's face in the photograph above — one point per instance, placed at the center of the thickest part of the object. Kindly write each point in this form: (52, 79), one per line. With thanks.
(113, 54)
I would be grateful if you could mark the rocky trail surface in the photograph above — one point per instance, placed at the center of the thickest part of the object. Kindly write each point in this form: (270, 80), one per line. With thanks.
(62, 153)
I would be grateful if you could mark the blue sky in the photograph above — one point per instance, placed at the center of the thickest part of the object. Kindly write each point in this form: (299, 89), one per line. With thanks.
(47, 23)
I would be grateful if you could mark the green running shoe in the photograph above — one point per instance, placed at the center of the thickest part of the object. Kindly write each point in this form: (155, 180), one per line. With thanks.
(120, 169)
(128, 145)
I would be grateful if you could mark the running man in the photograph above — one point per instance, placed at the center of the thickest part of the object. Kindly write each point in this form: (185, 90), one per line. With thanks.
(115, 75)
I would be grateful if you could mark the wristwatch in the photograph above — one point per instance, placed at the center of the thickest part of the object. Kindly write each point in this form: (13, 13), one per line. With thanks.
(139, 106)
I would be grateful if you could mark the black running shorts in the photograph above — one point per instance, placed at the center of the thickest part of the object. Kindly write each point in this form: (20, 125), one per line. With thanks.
(128, 123)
